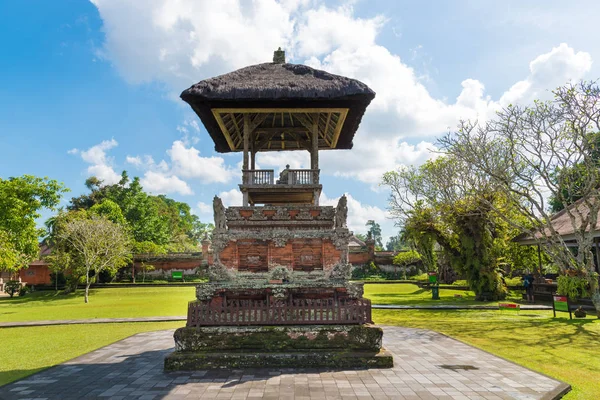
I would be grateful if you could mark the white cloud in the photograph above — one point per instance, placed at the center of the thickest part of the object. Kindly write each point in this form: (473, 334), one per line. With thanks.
(231, 197)
(163, 183)
(359, 214)
(181, 42)
(204, 209)
(187, 162)
(137, 160)
(548, 71)
(101, 164)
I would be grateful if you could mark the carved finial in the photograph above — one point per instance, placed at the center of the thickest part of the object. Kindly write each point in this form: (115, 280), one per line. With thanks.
(219, 214)
(341, 212)
(279, 56)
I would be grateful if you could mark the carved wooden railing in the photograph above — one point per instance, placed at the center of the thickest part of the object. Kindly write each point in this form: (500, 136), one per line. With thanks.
(292, 177)
(289, 312)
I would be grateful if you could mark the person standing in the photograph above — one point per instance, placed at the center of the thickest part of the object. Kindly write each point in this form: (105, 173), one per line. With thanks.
(528, 284)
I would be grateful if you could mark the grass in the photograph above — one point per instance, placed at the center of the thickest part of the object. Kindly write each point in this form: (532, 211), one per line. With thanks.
(104, 303)
(26, 351)
(170, 301)
(409, 294)
(565, 349)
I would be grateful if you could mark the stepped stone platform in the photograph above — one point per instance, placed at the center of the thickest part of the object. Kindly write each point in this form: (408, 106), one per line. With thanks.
(427, 365)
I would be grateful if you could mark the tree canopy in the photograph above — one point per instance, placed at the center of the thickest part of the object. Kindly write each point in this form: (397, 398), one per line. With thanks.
(156, 219)
(21, 200)
(531, 153)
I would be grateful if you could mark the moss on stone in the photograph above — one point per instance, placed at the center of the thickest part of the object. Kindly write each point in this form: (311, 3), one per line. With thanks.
(279, 338)
(341, 359)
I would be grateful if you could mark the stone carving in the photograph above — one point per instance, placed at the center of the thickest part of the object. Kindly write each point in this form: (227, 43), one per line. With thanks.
(279, 294)
(279, 241)
(341, 213)
(219, 213)
(280, 272)
(205, 291)
(304, 214)
(282, 214)
(258, 215)
(233, 214)
(355, 290)
(218, 272)
(341, 271)
(327, 213)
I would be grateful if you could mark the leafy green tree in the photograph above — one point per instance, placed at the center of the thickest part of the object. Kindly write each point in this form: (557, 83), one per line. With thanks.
(439, 203)
(97, 244)
(156, 219)
(520, 152)
(110, 210)
(396, 243)
(571, 180)
(145, 248)
(21, 199)
(374, 233)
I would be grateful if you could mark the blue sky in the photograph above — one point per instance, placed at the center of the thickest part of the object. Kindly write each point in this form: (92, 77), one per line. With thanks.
(92, 87)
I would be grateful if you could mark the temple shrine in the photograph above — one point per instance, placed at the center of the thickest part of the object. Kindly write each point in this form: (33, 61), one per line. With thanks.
(279, 293)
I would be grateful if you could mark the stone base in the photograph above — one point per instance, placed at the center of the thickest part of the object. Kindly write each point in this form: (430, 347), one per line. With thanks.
(295, 346)
(279, 338)
(315, 359)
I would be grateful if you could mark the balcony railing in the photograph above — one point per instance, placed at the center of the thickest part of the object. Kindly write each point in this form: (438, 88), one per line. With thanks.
(287, 177)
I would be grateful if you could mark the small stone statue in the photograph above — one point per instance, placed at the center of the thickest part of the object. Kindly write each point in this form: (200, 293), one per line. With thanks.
(341, 212)
(219, 213)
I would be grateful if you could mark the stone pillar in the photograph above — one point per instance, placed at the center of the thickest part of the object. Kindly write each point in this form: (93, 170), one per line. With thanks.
(205, 257)
(371, 249)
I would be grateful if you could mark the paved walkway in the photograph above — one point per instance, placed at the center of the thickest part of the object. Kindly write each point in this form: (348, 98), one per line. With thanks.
(428, 365)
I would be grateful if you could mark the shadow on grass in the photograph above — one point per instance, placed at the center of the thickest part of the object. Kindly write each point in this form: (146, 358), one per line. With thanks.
(42, 296)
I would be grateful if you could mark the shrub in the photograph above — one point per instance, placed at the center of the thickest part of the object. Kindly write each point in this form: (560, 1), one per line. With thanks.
(12, 287)
(23, 290)
(407, 258)
(575, 287)
(365, 271)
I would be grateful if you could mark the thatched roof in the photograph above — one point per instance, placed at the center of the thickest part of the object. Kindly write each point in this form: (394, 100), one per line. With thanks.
(272, 86)
(561, 222)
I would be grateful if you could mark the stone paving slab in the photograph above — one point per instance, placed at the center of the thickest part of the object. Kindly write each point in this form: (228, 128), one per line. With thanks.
(133, 369)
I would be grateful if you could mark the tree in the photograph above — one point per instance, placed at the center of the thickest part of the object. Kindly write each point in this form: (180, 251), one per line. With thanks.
(396, 243)
(446, 202)
(97, 243)
(21, 199)
(142, 248)
(156, 219)
(522, 149)
(374, 233)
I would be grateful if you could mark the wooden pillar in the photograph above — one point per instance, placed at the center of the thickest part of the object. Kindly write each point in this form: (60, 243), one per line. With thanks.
(314, 155)
(245, 179)
(539, 259)
(314, 141)
(252, 159)
(246, 140)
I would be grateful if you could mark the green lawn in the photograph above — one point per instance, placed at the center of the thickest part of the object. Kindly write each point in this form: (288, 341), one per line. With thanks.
(564, 349)
(26, 351)
(104, 303)
(409, 294)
